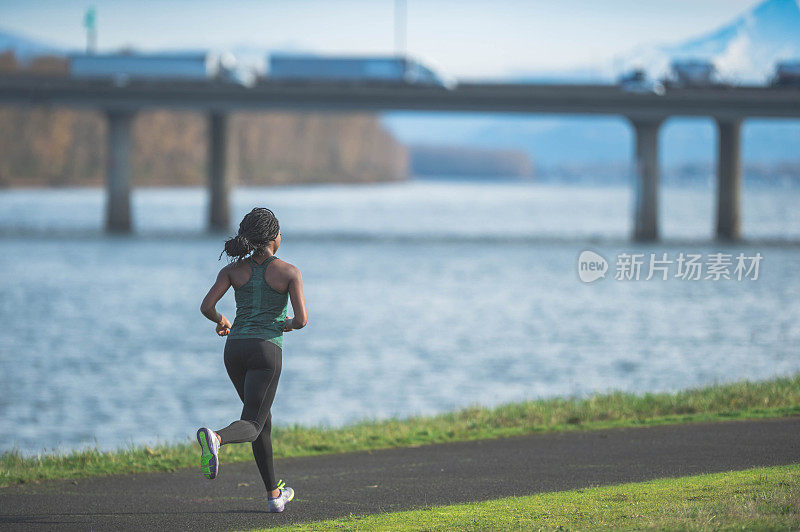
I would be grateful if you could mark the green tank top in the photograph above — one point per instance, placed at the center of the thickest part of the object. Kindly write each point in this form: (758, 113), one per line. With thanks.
(260, 309)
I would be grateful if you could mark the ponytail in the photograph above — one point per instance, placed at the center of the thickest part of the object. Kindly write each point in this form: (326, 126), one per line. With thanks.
(258, 228)
(237, 247)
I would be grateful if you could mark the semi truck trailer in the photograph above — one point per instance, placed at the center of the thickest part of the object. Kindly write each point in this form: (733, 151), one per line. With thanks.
(317, 68)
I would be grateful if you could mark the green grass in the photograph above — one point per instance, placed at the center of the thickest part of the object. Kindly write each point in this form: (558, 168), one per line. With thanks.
(742, 400)
(756, 499)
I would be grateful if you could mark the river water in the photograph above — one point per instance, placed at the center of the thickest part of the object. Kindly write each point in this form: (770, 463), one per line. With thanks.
(423, 297)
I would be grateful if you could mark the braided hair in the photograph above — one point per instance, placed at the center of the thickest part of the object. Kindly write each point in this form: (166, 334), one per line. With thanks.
(258, 228)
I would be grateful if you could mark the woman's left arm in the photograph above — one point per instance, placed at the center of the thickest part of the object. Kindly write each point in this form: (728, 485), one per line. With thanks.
(208, 306)
(298, 301)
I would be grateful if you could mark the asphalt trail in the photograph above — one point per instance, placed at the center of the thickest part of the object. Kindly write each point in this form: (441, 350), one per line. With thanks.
(398, 479)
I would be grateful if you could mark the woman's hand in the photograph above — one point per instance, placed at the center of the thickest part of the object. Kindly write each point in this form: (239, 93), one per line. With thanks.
(223, 326)
(287, 324)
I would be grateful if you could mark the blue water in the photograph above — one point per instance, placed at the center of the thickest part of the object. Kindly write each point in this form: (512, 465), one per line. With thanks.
(423, 297)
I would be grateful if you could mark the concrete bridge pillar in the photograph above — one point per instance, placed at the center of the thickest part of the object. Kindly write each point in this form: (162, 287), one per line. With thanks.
(729, 178)
(219, 215)
(645, 217)
(118, 187)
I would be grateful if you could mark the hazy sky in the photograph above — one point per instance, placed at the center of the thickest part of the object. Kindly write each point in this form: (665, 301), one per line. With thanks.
(465, 38)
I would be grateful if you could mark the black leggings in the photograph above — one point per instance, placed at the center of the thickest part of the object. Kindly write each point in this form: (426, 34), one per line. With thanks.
(254, 367)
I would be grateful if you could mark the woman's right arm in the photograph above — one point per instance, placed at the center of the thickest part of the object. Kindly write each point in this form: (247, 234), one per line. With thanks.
(208, 306)
(298, 301)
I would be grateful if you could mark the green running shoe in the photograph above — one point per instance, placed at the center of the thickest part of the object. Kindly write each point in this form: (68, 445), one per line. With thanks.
(209, 459)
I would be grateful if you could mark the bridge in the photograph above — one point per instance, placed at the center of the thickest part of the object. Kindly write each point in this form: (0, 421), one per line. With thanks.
(646, 112)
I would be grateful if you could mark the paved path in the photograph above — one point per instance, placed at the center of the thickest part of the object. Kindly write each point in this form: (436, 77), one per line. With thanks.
(396, 479)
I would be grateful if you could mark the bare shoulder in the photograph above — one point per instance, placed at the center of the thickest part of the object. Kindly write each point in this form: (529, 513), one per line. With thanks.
(226, 270)
(232, 268)
(288, 270)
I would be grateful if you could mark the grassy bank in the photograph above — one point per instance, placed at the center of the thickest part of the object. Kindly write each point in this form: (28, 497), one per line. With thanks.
(772, 398)
(755, 499)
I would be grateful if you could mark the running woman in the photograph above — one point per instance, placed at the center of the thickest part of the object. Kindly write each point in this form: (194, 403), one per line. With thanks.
(262, 284)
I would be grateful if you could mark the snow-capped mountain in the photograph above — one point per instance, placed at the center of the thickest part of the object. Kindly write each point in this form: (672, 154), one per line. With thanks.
(744, 51)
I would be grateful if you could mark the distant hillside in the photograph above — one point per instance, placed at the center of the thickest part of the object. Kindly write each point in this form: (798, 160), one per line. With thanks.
(47, 147)
(62, 147)
(553, 141)
(25, 48)
(460, 161)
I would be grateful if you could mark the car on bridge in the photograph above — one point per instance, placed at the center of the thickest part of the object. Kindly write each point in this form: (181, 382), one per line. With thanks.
(638, 82)
(693, 73)
(392, 70)
(787, 74)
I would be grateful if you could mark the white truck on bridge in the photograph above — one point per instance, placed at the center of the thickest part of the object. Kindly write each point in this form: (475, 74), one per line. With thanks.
(345, 69)
(121, 68)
